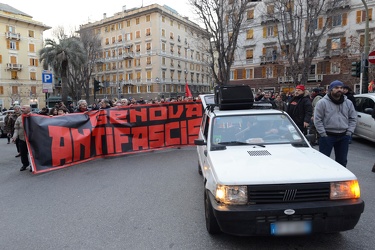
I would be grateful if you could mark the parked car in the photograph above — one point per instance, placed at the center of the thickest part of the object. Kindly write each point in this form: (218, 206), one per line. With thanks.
(2, 117)
(262, 177)
(365, 104)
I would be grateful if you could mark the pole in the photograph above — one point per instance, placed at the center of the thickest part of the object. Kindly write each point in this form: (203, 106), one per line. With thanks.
(364, 83)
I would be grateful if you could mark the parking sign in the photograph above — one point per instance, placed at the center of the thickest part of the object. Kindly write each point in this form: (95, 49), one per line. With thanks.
(46, 77)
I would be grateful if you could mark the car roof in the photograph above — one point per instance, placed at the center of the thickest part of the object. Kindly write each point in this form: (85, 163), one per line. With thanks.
(208, 99)
(371, 95)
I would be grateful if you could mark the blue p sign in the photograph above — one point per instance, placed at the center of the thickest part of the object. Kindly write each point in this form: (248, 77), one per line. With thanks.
(46, 77)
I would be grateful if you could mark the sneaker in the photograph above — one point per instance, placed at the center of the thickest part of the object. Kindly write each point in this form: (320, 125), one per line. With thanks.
(23, 168)
(18, 155)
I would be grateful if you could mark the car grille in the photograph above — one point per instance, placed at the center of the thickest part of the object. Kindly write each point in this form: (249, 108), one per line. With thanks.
(283, 193)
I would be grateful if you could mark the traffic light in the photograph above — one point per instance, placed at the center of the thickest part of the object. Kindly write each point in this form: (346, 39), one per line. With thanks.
(356, 69)
(97, 86)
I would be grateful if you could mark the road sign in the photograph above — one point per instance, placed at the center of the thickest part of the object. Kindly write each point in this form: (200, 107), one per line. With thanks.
(371, 57)
(47, 77)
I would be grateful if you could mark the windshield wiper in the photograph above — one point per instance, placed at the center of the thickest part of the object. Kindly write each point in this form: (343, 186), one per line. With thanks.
(233, 143)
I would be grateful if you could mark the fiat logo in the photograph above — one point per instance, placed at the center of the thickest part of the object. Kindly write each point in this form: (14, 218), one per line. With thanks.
(289, 211)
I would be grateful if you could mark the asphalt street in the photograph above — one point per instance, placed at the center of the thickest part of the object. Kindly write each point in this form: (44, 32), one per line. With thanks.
(144, 201)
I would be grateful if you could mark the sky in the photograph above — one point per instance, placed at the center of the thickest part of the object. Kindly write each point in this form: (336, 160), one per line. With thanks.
(72, 13)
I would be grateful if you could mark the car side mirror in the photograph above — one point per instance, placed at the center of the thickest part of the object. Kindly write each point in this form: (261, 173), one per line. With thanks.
(200, 142)
(369, 110)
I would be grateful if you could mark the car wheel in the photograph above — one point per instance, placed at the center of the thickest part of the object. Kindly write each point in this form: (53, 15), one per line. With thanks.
(211, 222)
(199, 168)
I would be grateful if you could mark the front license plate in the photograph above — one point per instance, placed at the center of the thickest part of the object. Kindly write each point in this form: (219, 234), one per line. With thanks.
(291, 227)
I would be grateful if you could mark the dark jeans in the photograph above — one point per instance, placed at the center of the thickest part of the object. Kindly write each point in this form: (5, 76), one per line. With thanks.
(339, 143)
(24, 153)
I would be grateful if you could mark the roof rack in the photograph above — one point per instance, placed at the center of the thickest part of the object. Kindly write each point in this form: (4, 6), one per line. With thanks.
(256, 105)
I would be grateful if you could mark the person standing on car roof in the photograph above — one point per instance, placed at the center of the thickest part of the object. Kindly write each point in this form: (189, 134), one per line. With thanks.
(335, 120)
(300, 109)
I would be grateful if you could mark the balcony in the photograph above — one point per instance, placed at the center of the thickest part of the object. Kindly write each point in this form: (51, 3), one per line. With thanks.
(128, 55)
(268, 59)
(14, 66)
(310, 78)
(10, 35)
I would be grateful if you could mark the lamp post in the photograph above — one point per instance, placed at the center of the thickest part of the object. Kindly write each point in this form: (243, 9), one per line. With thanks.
(364, 83)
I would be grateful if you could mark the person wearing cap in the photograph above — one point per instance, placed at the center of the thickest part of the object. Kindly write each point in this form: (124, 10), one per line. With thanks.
(335, 119)
(300, 109)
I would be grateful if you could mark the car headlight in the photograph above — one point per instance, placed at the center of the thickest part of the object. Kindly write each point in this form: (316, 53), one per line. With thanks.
(231, 195)
(345, 190)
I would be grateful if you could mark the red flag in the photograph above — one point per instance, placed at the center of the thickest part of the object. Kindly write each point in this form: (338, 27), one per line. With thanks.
(371, 86)
(187, 91)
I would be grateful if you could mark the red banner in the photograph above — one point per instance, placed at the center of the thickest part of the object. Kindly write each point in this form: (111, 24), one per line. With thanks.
(62, 141)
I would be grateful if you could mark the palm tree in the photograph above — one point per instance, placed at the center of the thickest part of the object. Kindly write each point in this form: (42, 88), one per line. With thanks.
(60, 57)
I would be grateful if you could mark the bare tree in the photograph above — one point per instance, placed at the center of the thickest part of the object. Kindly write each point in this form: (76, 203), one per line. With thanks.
(81, 76)
(302, 25)
(222, 19)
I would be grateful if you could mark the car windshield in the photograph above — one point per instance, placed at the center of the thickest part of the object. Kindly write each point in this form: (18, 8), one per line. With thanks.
(254, 129)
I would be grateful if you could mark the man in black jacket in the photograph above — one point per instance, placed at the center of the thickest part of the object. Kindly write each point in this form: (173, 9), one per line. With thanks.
(300, 108)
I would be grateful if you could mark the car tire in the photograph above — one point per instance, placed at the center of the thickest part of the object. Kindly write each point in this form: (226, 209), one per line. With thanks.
(199, 169)
(211, 223)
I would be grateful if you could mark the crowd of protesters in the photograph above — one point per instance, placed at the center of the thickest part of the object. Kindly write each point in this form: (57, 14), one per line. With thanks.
(83, 106)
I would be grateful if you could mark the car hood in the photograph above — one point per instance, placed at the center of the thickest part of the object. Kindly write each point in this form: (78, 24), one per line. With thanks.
(274, 164)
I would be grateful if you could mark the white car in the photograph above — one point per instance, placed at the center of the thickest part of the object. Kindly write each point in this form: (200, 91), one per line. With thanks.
(365, 104)
(262, 177)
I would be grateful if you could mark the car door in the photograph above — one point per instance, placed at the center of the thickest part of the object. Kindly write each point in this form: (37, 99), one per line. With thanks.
(365, 125)
(203, 134)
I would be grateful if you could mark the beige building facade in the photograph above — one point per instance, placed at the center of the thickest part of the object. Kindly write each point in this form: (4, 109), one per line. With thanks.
(150, 52)
(20, 71)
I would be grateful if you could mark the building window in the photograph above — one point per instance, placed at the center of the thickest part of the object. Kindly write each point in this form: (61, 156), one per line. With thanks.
(119, 25)
(31, 33)
(337, 20)
(32, 76)
(250, 14)
(138, 89)
(148, 88)
(250, 34)
(127, 23)
(335, 43)
(33, 62)
(148, 18)
(163, 61)
(12, 45)
(149, 75)
(231, 76)
(14, 90)
(137, 20)
(138, 34)
(249, 54)
(163, 19)
(149, 60)
(171, 35)
(249, 73)
(171, 22)
(148, 32)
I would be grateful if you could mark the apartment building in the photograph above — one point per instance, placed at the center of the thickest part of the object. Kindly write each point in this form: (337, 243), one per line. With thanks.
(260, 60)
(150, 52)
(20, 70)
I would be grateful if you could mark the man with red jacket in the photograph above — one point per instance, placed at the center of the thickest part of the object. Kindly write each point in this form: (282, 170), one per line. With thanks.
(300, 108)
